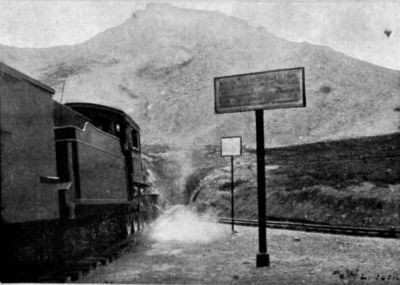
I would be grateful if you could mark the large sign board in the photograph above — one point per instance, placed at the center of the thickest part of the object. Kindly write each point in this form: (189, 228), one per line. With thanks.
(231, 146)
(274, 89)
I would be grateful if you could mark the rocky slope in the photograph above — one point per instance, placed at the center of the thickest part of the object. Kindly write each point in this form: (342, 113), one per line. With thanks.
(351, 182)
(159, 66)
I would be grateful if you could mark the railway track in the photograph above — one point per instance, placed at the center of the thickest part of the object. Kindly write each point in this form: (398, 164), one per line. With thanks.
(321, 228)
(78, 269)
(75, 271)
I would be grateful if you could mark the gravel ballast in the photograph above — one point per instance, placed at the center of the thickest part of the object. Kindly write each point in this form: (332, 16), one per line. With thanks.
(296, 258)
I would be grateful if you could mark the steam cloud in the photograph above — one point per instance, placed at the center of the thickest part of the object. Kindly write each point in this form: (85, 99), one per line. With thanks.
(183, 224)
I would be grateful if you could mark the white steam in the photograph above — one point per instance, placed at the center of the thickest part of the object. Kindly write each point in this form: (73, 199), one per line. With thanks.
(183, 224)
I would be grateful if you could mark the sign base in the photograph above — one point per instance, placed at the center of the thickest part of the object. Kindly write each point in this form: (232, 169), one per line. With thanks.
(262, 260)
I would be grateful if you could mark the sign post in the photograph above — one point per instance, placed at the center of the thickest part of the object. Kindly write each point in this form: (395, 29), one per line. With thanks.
(276, 89)
(231, 146)
(232, 199)
(262, 256)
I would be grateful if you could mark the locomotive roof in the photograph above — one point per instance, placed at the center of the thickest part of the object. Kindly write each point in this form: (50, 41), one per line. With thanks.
(21, 76)
(105, 108)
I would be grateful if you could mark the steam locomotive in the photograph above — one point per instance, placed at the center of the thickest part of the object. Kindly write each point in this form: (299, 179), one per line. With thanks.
(72, 178)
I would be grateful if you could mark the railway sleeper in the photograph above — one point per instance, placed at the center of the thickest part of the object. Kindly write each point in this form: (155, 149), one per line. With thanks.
(101, 260)
(55, 278)
(92, 263)
(84, 268)
(74, 275)
(76, 271)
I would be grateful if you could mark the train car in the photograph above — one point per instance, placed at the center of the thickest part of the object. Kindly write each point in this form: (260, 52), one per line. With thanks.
(71, 178)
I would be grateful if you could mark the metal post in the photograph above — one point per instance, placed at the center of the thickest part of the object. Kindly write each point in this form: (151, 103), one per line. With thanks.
(232, 198)
(262, 256)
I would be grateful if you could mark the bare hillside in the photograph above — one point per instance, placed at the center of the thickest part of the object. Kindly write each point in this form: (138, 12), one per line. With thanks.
(159, 66)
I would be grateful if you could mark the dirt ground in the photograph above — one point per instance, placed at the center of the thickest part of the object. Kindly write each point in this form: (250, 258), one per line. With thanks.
(296, 258)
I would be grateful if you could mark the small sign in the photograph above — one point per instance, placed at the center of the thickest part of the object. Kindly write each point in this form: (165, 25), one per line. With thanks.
(284, 88)
(231, 146)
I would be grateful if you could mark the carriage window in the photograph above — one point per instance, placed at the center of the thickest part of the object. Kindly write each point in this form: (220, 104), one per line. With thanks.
(135, 139)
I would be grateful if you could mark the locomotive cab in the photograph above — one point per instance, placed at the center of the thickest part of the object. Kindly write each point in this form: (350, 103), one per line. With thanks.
(98, 149)
(112, 121)
(119, 124)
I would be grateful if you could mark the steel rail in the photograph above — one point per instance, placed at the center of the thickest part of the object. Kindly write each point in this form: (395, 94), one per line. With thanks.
(315, 227)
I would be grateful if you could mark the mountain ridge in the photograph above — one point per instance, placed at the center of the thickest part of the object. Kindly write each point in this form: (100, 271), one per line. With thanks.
(159, 67)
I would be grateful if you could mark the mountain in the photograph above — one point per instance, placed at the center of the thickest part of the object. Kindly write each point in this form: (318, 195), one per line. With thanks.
(159, 67)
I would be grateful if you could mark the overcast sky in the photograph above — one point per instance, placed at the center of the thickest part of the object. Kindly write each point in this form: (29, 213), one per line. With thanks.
(355, 28)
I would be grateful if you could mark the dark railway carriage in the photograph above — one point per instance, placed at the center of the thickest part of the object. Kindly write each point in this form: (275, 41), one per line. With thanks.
(27, 149)
(70, 178)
